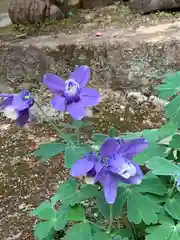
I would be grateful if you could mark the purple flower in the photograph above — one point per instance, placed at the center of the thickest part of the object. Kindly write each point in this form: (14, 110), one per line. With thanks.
(16, 106)
(85, 166)
(119, 166)
(72, 95)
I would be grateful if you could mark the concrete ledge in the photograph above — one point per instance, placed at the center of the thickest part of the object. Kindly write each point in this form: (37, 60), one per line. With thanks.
(119, 59)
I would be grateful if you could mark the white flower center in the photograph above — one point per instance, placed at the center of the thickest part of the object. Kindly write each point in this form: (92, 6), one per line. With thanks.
(10, 112)
(127, 170)
(71, 87)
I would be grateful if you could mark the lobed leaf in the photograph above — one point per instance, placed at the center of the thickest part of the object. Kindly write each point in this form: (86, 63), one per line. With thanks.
(170, 85)
(172, 206)
(76, 213)
(81, 231)
(48, 150)
(162, 166)
(74, 153)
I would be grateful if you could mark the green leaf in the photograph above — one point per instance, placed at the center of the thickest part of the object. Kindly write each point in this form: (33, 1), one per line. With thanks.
(42, 229)
(112, 132)
(170, 86)
(166, 130)
(81, 231)
(81, 124)
(166, 231)
(69, 195)
(99, 138)
(172, 206)
(74, 153)
(45, 211)
(151, 184)
(76, 213)
(125, 233)
(175, 142)
(87, 191)
(61, 218)
(141, 208)
(117, 206)
(172, 110)
(101, 235)
(69, 137)
(153, 150)
(48, 150)
(161, 166)
(66, 193)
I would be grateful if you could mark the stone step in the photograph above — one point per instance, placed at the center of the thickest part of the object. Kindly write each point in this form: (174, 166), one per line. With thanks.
(119, 59)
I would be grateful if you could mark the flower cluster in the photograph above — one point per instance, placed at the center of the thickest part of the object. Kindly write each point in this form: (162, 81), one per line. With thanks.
(70, 95)
(113, 164)
(17, 106)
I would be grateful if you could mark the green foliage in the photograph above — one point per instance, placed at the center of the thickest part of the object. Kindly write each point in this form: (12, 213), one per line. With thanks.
(69, 194)
(74, 153)
(140, 206)
(124, 234)
(167, 230)
(117, 206)
(79, 231)
(172, 206)
(101, 235)
(154, 202)
(48, 150)
(170, 86)
(175, 142)
(76, 213)
(162, 166)
(53, 219)
(99, 138)
(151, 184)
(172, 110)
(42, 229)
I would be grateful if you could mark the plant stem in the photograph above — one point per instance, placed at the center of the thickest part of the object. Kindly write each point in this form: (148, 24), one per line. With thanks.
(172, 190)
(101, 227)
(110, 218)
(47, 118)
(133, 230)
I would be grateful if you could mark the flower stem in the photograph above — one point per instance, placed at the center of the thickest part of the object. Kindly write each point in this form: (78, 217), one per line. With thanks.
(110, 218)
(47, 118)
(101, 227)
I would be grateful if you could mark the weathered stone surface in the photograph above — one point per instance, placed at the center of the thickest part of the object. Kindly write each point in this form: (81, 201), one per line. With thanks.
(94, 3)
(146, 6)
(36, 11)
(119, 60)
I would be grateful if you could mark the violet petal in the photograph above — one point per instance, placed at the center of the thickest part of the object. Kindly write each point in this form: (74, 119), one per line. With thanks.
(58, 102)
(6, 102)
(54, 83)
(76, 110)
(109, 147)
(23, 117)
(90, 97)
(132, 147)
(82, 167)
(110, 188)
(81, 75)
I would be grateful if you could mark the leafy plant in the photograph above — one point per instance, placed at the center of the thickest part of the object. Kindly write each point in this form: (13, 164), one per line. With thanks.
(136, 176)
